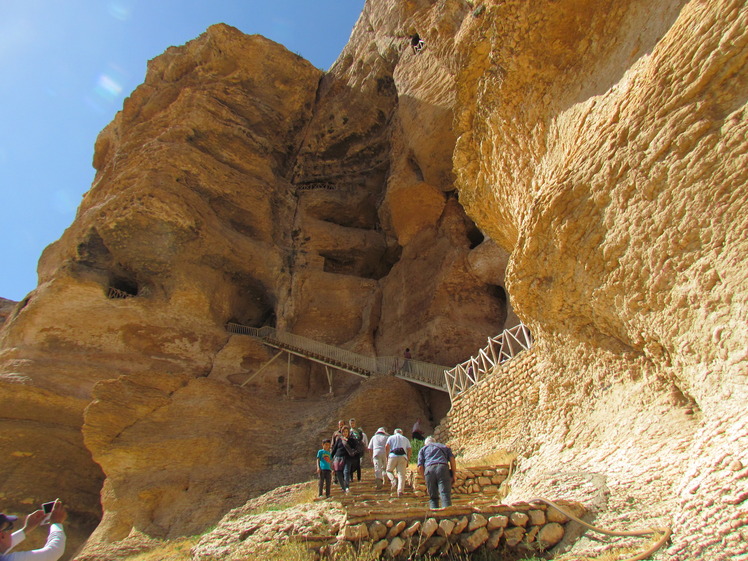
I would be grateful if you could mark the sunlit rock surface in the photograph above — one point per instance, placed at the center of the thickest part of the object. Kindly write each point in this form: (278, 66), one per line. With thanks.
(579, 166)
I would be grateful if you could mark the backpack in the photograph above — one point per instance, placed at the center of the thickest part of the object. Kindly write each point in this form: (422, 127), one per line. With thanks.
(355, 447)
(360, 448)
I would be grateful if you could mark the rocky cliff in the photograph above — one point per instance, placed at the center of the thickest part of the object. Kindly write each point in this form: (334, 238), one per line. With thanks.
(584, 160)
(238, 184)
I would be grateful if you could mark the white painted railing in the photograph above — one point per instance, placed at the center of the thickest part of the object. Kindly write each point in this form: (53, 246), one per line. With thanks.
(416, 371)
(499, 349)
(117, 293)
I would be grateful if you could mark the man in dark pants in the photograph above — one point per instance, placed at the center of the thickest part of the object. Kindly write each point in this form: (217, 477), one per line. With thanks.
(436, 463)
(361, 437)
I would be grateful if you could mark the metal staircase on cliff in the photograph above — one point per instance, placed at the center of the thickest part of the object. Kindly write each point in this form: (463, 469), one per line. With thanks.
(415, 371)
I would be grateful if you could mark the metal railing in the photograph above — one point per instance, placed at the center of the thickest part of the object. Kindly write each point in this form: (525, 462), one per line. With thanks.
(117, 293)
(499, 350)
(416, 371)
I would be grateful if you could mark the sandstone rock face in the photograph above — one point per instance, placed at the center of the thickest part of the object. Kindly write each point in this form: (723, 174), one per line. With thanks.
(6, 308)
(601, 146)
(241, 184)
(181, 202)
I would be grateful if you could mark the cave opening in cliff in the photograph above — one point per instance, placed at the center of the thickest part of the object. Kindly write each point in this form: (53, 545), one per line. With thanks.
(251, 303)
(475, 236)
(499, 293)
(122, 287)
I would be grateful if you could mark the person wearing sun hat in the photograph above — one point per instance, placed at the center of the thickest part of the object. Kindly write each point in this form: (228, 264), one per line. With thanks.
(378, 455)
(52, 550)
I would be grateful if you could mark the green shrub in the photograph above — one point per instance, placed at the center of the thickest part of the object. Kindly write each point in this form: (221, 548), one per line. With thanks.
(416, 446)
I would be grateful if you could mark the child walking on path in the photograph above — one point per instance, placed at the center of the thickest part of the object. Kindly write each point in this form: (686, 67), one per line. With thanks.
(324, 468)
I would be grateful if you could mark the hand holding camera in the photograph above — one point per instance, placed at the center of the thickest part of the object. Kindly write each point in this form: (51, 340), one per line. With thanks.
(54, 512)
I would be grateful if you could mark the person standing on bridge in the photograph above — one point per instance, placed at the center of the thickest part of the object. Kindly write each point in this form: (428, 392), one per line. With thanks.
(406, 360)
(398, 453)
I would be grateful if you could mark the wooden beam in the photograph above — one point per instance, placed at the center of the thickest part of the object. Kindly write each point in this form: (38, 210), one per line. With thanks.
(260, 369)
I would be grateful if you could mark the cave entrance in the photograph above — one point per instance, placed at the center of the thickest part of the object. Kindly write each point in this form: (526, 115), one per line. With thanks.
(122, 287)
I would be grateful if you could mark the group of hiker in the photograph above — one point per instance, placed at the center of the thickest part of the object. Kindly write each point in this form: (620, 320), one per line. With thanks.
(340, 459)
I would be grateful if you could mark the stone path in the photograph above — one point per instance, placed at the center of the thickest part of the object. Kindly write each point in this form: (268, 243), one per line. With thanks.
(366, 502)
(404, 526)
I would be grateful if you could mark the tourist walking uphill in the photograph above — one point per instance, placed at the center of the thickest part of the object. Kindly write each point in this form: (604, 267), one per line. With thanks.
(437, 465)
(377, 446)
(363, 442)
(333, 439)
(398, 452)
(343, 452)
(337, 434)
(324, 468)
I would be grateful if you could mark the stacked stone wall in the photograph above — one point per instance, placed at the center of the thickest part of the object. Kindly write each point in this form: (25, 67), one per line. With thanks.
(481, 481)
(500, 398)
(519, 527)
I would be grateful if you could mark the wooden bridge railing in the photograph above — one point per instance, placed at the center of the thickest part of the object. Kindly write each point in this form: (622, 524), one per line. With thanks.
(499, 349)
(416, 371)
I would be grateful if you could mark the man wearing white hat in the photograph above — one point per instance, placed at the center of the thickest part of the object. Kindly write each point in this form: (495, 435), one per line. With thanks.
(378, 455)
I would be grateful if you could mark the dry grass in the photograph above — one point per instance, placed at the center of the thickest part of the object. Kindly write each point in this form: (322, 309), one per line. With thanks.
(614, 555)
(298, 552)
(179, 550)
(304, 494)
(176, 550)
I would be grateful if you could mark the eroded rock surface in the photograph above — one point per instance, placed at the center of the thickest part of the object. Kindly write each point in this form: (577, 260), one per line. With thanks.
(603, 145)
(585, 160)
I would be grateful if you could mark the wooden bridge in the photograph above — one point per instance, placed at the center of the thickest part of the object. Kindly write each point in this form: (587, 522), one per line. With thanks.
(452, 380)
(416, 371)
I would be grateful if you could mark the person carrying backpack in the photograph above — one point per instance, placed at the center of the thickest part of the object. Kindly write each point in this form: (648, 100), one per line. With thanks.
(342, 454)
(398, 454)
(361, 442)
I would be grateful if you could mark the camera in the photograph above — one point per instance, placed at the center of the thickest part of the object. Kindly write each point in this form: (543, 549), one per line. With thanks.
(47, 508)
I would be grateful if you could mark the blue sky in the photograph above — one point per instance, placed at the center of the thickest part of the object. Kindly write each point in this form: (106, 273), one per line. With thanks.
(66, 67)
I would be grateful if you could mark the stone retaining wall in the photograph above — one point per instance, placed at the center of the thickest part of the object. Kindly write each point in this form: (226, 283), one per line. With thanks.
(511, 387)
(521, 527)
(483, 481)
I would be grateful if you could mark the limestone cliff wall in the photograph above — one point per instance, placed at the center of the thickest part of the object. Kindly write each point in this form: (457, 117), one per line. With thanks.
(585, 161)
(603, 145)
(239, 183)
